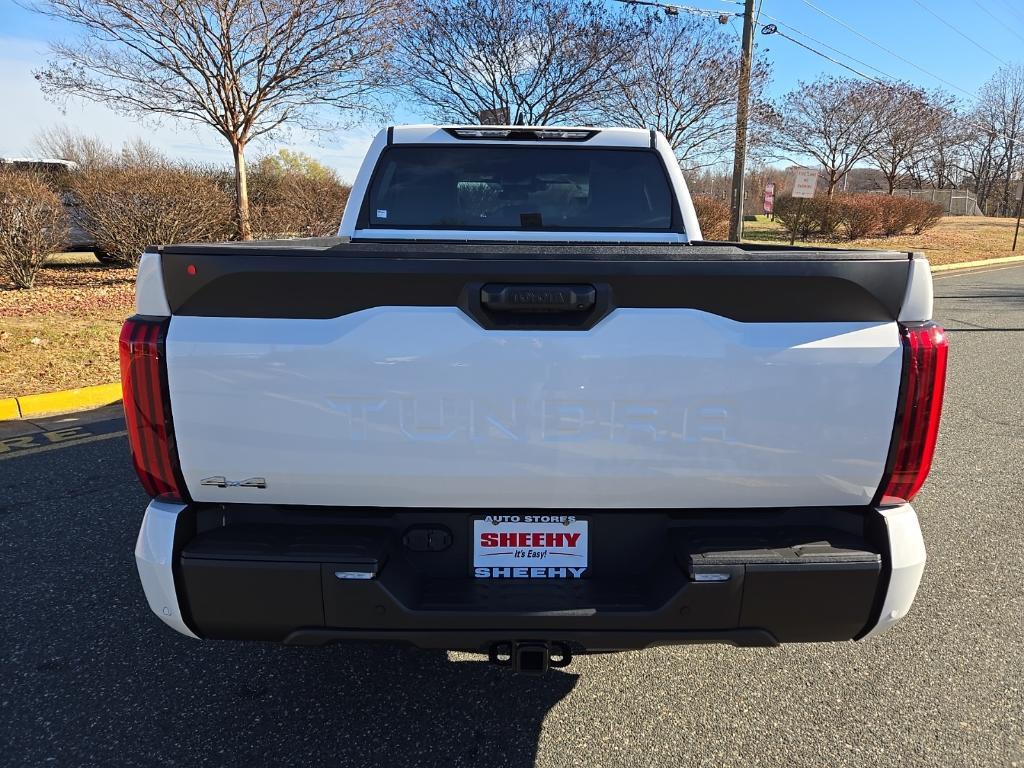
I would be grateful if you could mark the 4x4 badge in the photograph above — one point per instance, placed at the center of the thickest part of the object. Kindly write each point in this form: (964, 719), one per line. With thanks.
(219, 481)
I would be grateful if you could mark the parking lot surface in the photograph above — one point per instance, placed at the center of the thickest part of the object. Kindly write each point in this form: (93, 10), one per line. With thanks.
(89, 677)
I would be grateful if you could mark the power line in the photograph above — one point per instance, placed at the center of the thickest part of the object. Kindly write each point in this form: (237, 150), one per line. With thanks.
(999, 21)
(673, 10)
(831, 48)
(962, 34)
(771, 29)
(891, 52)
(1013, 10)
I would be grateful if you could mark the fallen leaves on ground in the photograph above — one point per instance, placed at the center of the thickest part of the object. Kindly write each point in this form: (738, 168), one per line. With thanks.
(72, 289)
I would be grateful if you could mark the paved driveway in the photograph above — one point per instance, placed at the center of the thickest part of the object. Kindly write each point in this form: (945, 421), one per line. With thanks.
(88, 677)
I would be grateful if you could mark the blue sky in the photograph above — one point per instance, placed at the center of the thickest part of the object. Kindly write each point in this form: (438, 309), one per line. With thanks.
(904, 26)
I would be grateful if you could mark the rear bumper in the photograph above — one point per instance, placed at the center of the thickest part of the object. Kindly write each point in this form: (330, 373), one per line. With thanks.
(312, 576)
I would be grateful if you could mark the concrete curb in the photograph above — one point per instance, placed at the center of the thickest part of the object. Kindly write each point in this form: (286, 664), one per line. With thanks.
(9, 409)
(978, 263)
(50, 403)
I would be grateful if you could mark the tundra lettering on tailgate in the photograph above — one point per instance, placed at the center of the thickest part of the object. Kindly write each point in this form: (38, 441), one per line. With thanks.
(450, 418)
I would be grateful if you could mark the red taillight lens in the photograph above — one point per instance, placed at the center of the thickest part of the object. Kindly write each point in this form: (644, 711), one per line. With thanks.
(146, 410)
(917, 428)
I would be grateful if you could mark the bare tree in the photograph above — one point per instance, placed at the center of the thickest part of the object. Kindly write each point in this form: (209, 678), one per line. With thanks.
(938, 161)
(908, 118)
(545, 61)
(66, 143)
(999, 119)
(835, 120)
(243, 67)
(678, 83)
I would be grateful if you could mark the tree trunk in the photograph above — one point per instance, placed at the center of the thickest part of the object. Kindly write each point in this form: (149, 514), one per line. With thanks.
(241, 192)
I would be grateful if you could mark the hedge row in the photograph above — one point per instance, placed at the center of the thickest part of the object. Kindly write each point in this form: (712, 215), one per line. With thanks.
(127, 206)
(856, 216)
(128, 203)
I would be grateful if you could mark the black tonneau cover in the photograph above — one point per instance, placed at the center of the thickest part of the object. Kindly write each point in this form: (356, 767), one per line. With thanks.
(338, 247)
(330, 277)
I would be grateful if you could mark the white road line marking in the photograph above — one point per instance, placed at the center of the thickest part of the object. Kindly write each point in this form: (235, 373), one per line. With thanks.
(974, 271)
(65, 444)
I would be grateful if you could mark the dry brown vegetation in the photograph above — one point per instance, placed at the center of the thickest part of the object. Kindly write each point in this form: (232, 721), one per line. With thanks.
(954, 239)
(855, 216)
(33, 224)
(63, 333)
(713, 215)
(296, 205)
(129, 206)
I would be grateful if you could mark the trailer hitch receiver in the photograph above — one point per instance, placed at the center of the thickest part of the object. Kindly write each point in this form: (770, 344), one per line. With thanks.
(530, 657)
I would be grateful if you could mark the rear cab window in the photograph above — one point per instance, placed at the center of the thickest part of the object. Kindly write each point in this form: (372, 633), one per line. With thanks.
(493, 187)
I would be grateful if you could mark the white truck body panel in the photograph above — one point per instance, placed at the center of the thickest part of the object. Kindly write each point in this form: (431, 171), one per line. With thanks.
(421, 407)
(150, 295)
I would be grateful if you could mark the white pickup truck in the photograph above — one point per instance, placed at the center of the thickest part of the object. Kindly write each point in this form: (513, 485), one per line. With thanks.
(519, 407)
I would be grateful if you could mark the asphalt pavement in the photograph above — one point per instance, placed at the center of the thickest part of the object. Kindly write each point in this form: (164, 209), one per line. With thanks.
(89, 677)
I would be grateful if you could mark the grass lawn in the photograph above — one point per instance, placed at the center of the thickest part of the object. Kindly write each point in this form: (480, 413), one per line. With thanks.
(63, 333)
(953, 239)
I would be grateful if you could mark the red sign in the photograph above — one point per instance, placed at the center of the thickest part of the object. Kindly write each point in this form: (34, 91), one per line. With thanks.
(769, 197)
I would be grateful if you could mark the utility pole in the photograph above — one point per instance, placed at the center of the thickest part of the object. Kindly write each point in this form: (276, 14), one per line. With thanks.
(739, 164)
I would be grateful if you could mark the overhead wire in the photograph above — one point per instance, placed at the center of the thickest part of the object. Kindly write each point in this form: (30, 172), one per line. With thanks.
(831, 48)
(1013, 10)
(771, 29)
(891, 52)
(676, 8)
(960, 32)
(966, 120)
(999, 21)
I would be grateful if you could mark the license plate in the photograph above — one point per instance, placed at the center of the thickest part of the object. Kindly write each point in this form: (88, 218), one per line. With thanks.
(530, 547)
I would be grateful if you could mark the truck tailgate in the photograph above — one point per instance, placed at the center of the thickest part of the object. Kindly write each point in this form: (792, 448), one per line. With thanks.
(703, 397)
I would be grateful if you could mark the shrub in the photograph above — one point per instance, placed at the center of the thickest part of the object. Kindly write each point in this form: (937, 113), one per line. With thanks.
(897, 214)
(292, 204)
(859, 215)
(33, 224)
(823, 213)
(801, 216)
(713, 215)
(926, 215)
(129, 205)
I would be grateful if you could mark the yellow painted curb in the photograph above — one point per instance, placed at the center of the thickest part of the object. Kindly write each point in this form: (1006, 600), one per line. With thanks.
(68, 400)
(9, 409)
(978, 263)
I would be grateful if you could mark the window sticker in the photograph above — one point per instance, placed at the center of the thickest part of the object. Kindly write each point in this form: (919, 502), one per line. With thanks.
(382, 213)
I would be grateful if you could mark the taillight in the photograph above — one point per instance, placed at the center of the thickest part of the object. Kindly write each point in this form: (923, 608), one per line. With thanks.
(147, 409)
(917, 426)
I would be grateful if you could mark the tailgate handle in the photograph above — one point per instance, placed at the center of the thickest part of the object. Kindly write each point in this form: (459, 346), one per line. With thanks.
(513, 297)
